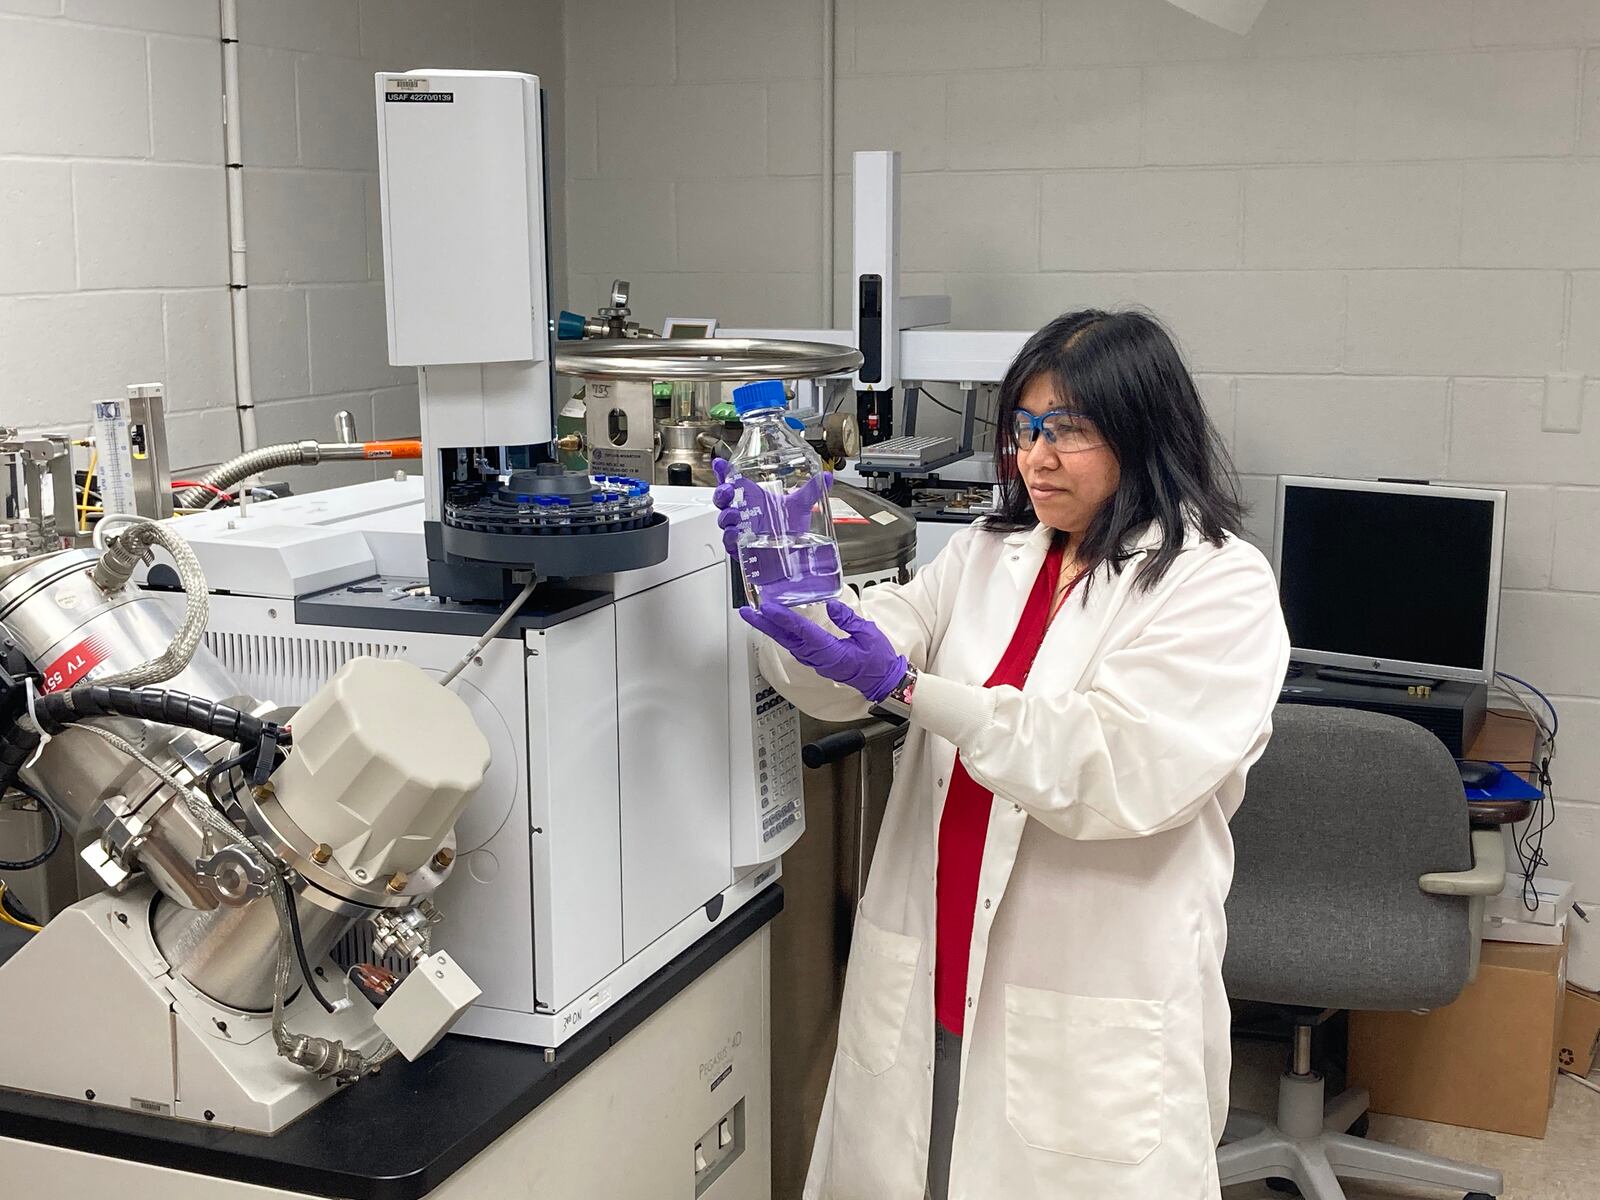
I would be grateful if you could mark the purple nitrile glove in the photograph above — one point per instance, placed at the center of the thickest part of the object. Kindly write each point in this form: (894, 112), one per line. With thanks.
(862, 659)
(758, 502)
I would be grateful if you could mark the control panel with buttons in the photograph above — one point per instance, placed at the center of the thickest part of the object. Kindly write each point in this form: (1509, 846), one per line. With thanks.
(778, 782)
(766, 751)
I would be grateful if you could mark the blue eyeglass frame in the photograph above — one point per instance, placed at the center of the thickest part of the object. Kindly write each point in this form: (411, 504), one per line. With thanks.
(1036, 423)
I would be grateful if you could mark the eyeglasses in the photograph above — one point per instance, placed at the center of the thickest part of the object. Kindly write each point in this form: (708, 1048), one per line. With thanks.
(1066, 431)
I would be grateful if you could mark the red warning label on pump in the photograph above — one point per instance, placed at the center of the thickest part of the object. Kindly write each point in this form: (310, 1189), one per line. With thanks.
(72, 667)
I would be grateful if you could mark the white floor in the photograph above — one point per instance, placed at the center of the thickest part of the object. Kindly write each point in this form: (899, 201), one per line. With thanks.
(1565, 1165)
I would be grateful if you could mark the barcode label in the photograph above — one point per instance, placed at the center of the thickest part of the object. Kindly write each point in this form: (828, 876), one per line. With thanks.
(407, 85)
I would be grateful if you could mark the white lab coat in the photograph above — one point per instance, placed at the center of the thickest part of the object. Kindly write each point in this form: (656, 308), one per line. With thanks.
(1096, 1057)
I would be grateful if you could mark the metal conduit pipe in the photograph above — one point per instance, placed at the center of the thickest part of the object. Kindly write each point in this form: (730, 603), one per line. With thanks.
(287, 454)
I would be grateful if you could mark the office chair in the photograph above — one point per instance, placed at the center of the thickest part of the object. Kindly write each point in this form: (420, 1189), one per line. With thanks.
(1358, 885)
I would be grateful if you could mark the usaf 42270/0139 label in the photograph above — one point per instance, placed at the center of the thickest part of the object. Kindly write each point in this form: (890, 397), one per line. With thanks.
(414, 90)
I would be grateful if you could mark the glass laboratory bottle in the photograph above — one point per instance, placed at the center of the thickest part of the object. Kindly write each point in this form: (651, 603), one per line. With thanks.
(787, 550)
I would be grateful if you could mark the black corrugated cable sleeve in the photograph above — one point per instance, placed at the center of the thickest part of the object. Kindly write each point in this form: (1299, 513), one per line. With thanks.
(54, 712)
(60, 709)
(16, 747)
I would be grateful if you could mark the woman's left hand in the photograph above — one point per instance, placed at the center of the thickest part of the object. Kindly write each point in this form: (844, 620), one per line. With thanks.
(862, 659)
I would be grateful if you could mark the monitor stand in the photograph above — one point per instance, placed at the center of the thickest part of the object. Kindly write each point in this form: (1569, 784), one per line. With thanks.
(1375, 678)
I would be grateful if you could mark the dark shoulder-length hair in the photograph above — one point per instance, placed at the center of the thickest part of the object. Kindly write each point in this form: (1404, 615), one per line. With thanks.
(1122, 371)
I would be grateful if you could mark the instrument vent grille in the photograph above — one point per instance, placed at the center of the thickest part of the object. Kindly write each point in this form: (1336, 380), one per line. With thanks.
(287, 669)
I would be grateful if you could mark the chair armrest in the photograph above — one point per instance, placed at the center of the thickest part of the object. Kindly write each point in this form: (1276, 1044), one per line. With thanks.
(1487, 876)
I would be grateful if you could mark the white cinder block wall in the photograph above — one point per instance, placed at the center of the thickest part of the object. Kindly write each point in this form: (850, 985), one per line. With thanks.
(1373, 225)
(113, 221)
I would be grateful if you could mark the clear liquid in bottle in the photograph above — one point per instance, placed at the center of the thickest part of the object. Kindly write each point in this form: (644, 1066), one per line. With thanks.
(787, 550)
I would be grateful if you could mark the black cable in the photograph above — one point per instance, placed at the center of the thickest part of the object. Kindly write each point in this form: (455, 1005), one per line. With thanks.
(958, 412)
(300, 949)
(1529, 841)
(209, 779)
(13, 908)
(59, 709)
(56, 711)
(55, 830)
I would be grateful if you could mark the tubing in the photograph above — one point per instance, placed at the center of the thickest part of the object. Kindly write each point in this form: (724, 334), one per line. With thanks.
(238, 277)
(251, 462)
(208, 487)
(114, 569)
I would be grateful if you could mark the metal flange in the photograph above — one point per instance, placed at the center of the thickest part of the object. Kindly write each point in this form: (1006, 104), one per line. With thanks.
(714, 360)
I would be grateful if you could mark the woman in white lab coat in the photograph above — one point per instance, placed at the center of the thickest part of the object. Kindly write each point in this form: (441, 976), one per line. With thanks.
(1034, 1004)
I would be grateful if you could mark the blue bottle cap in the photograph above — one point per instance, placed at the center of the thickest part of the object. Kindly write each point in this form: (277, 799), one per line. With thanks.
(762, 394)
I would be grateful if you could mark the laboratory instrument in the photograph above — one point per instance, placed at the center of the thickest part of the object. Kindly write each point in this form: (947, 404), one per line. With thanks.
(614, 870)
(230, 856)
(131, 474)
(37, 512)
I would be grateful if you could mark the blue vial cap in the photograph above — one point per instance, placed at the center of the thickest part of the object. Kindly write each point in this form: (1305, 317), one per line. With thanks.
(762, 394)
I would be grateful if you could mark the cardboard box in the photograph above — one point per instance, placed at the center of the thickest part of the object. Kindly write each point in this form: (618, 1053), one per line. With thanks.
(1487, 1061)
(1580, 1031)
(1552, 899)
(1528, 932)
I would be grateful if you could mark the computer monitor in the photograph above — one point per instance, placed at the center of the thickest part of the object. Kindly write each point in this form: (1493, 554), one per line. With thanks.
(1394, 578)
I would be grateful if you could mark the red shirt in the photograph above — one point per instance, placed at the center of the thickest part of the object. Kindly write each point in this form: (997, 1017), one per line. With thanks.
(965, 822)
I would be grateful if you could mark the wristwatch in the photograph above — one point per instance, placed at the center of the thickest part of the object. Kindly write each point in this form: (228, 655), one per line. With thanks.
(898, 702)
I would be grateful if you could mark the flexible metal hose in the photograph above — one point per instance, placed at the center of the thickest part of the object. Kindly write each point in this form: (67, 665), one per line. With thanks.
(209, 487)
(114, 569)
(251, 462)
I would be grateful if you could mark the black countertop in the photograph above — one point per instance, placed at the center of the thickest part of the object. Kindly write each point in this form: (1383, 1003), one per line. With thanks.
(394, 1136)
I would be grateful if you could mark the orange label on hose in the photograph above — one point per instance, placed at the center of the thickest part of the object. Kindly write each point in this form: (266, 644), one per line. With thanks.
(397, 449)
(72, 667)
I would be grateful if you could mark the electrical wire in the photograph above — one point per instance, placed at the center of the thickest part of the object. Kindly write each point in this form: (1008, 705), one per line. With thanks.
(55, 830)
(208, 783)
(9, 916)
(1527, 714)
(88, 478)
(1555, 717)
(958, 412)
(300, 954)
(1528, 840)
(208, 780)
